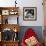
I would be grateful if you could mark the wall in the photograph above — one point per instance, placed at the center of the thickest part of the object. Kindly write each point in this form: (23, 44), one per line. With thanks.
(34, 3)
(27, 3)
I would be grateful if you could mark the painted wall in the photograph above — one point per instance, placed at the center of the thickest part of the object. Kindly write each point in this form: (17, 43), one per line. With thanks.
(34, 3)
(26, 3)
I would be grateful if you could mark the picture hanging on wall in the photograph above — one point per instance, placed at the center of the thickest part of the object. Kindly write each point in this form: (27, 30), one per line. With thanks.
(30, 13)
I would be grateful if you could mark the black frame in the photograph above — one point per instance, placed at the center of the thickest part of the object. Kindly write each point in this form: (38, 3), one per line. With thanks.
(34, 13)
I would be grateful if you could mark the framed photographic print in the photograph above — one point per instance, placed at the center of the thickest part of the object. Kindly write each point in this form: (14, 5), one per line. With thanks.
(30, 13)
(5, 12)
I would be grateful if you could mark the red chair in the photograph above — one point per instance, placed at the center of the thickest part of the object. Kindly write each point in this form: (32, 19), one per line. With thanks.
(29, 33)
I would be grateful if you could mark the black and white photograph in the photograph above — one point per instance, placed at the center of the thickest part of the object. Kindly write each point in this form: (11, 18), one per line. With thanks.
(30, 13)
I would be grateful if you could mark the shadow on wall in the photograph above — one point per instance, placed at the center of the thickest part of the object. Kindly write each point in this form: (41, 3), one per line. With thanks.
(37, 29)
